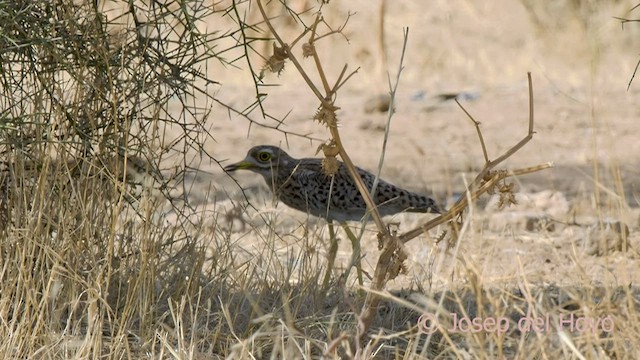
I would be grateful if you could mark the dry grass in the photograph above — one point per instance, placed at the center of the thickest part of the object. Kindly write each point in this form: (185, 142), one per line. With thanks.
(105, 252)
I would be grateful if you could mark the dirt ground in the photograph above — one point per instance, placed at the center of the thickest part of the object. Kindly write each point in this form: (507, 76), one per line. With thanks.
(566, 228)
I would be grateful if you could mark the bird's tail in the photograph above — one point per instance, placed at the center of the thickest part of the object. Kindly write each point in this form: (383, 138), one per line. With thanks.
(430, 206)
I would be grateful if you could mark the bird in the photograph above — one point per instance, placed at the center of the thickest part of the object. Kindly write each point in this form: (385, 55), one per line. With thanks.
(302, 184)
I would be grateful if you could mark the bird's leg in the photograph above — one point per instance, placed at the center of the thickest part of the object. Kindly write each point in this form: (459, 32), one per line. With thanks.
(355, 256)
(331, 256)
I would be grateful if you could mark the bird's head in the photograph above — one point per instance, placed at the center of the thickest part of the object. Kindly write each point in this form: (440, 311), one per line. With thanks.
(262, 159)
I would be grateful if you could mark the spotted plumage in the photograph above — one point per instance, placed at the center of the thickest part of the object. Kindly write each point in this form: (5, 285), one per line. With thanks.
(302, 185)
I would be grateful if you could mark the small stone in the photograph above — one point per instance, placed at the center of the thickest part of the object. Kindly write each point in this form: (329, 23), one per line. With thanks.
(377, 103)
(540, 223)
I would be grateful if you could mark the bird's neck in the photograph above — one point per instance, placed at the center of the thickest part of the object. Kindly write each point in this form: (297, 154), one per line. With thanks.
(276, 178)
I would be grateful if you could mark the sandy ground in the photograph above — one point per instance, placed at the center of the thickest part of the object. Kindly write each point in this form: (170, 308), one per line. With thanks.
(586, 123)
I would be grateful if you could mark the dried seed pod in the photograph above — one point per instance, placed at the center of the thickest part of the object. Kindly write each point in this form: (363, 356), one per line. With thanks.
(308, 49)
(326, 116)
(330, 166)
(275, 63)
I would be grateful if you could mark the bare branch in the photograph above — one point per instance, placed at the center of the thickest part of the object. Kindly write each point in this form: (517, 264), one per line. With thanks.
(477, 126)
(477, 187)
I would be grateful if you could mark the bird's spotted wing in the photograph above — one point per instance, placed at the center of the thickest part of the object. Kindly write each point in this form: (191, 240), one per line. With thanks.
(310, 189)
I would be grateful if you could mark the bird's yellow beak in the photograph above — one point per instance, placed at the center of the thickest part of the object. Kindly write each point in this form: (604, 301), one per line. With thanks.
(244, 164)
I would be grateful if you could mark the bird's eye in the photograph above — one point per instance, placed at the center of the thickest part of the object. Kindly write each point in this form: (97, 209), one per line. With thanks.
(264, 156)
